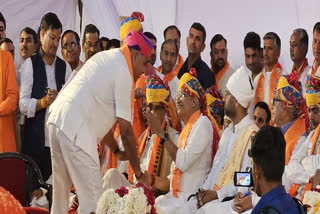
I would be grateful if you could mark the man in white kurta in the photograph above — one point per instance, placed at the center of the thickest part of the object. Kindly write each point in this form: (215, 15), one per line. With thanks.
(233, 135)
(306, 161)
(83, 115)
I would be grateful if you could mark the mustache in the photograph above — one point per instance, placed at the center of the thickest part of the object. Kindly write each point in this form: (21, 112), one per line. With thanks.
(24, 48)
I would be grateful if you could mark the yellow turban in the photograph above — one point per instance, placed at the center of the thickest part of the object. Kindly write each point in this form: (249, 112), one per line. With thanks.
(129, 24)
(313, 90)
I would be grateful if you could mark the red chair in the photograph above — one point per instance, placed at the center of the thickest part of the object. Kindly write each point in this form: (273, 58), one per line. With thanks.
(35, 210)
(18, 173)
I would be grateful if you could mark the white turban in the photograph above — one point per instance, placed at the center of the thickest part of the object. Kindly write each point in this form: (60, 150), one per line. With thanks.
(240, 85)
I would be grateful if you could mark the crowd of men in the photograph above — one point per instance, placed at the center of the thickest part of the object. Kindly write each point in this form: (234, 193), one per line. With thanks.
(183, 129)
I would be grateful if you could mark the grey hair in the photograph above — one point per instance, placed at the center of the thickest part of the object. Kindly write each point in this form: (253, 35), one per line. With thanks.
(294, 111)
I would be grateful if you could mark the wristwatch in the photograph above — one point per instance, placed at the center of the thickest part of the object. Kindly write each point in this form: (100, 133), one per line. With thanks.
(165, 137)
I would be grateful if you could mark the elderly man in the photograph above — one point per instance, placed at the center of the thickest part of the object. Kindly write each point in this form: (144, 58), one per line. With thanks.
(290, 113)
(172, 32)
(196, 147)
(70, 49)
(233, 146)
(316, 50)
(219, 62)
(261, 114)
(154, 157)
(298, 50)
(9, 95)
(168, 56)
(84, 114)
(196, 43)
(267, 81)
(305, 163)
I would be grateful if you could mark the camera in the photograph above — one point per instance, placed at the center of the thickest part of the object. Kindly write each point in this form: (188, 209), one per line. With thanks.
(243, 179)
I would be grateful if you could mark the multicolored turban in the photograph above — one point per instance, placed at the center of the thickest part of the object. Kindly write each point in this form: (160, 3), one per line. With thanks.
(313, 90)
(191, 85)
(139, 42)
(128, 24)
(290, 92)
(158, 90)
(214, 101)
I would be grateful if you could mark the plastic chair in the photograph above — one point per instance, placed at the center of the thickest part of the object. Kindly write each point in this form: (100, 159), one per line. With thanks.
(18, 173)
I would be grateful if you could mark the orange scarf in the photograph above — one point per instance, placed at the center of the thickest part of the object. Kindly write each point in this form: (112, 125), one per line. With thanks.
(169, 76)
(294, 187)
(275, 76)
(296, 130)
(177, 174)
(220, 73)
(314, 68)
(154, 161)
(1, 99)
(179, 65)
(301, 69)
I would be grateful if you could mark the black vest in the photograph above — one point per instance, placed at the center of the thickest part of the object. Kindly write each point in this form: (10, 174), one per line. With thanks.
(34, 139)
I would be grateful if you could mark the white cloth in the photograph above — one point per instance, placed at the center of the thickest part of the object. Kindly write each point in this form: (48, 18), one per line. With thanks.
(173, 84)
(302, 165)
(72, 165)
(303, 79)
(245, 93)
(229, 137)
(28, 104)
(194, 162)
(223, 81)
(87, 108)
(267, 77)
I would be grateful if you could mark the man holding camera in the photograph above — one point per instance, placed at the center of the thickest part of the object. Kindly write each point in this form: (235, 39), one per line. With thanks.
(268, 152)
(42, 76)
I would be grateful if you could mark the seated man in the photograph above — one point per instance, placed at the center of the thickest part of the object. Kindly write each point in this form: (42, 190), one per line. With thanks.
(261, 114)
(159, 104)
(289, 112)
(268, 153)
(197, 144)
(305, 163)
(232, 153)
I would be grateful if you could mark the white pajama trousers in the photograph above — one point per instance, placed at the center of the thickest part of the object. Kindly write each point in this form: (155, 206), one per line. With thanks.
(72, 165)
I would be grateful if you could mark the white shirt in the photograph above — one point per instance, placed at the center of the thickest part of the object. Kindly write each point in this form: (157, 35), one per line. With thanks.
(88, 106)
(173, 84)
(302, 165)
(195, 161)
(303, 79)
(228, 138)
(223, 81)
(28, 104)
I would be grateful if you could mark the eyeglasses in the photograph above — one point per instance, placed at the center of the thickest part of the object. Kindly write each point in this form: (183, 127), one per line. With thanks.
(70, 46)
(181, 95)
(90, 45)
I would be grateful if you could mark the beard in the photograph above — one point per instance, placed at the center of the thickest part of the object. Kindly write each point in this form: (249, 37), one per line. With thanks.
(219, 64)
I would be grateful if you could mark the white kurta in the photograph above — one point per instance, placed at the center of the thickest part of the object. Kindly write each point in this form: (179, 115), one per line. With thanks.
(194, 162)
(26, 103)
(228, 138)
(223, 81)
(302, 165)
(87, 108)
(173, 84)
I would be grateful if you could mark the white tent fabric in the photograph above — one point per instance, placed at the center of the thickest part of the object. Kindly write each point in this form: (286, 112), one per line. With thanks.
(231, 18)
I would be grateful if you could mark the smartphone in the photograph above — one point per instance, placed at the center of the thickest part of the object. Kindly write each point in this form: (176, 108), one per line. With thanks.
(243, 179)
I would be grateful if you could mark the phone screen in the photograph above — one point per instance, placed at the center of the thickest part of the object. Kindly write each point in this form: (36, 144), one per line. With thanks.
(242, 179)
